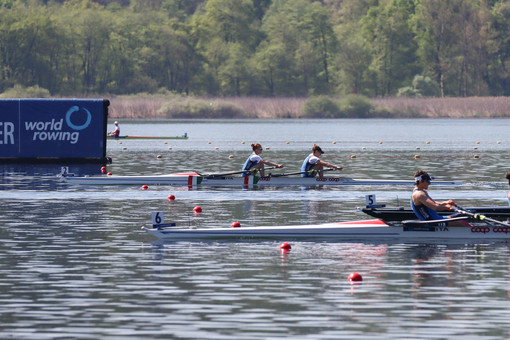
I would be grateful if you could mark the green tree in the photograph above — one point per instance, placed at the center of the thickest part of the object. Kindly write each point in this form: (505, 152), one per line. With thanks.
(392, 44)
(353, 58)
(227, 26)
(300, 45)
(497, 38)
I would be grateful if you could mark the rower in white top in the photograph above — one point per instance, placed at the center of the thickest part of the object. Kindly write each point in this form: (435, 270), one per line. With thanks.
(255, 161)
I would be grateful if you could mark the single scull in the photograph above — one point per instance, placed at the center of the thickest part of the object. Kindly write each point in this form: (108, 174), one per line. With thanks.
(185, 136)
(354, 230)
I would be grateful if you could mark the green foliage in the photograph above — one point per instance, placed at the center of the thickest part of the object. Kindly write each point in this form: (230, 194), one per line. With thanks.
(425, 86)
(408, 91)
(321, 107)
(19, 91)
(256, 48)
(197, 108)
(422, 87)
(351, 106)
(356, 106)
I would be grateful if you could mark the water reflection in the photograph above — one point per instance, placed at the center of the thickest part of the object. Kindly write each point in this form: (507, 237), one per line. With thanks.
(75, 263)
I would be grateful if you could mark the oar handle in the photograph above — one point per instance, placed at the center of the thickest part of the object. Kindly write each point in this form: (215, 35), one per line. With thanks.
(479, 217)
(302, 172)
(251, 171)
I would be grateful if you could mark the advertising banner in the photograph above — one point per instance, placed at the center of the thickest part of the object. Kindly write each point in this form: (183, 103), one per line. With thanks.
(43, 129)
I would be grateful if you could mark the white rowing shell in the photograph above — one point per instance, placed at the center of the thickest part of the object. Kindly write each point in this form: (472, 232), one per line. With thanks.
(193, 179)
(355, 230)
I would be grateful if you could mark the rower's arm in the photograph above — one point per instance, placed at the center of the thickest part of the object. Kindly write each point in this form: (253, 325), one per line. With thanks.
(329, 165)
(430, 203)
(272, 164)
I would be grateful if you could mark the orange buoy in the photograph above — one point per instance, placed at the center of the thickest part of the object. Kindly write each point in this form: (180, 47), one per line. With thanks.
(235, 225)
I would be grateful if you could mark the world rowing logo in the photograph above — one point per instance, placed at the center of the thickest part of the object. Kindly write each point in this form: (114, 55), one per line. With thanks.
(76, 109)
(77, 118)
(483, 230)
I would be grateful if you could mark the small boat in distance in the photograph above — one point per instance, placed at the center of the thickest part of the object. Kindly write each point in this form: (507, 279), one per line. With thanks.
(185, 136)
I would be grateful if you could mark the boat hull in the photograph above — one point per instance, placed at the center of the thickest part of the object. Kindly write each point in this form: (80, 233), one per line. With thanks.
(355, 230)
(147, 137)
(194, 179)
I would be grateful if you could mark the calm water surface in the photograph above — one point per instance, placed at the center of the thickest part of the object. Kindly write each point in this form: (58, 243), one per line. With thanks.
(74, 262)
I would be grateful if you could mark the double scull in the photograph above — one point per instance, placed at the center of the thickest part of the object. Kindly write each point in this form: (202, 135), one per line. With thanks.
(193, 179)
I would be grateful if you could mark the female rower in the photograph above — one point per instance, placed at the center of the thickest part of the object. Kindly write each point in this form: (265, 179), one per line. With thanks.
(507, 176)
(313, 164)
(424, 207)
(256, 162)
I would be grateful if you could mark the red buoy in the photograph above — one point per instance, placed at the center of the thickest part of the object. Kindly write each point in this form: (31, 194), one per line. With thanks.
(354, 277)
(103, 169)
(145, 187)
(109, 174)
(197, 209)
(285, 246)
(235, 225)
(171, 197)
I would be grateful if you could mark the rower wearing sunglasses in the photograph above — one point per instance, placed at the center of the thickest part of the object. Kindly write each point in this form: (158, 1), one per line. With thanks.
(424, 207)
(255, 161)
(507, 176)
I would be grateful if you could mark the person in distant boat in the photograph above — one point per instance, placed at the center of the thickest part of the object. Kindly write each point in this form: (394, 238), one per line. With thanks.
(255, 161)
(313, 164)
(116, 132)
(507, 176)
(424, 207)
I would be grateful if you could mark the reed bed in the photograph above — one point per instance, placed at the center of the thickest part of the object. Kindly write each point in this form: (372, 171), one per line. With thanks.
(271, 108)
(468, 107)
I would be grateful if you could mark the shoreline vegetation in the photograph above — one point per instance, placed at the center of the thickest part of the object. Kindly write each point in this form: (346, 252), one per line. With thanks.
(351, 106)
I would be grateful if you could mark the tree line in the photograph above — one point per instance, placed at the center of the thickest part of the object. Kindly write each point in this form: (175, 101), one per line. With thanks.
(257, 47)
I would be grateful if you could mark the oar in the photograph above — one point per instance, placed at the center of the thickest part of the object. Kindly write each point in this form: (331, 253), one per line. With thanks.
(301, 172)
(479, 216)
(236, 172)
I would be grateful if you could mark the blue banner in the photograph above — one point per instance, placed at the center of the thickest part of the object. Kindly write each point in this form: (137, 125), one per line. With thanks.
(53, 129)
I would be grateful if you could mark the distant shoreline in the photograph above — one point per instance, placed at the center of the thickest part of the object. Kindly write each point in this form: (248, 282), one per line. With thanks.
(139, 107)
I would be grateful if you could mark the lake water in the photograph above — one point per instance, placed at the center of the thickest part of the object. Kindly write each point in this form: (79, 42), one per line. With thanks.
(74, 262)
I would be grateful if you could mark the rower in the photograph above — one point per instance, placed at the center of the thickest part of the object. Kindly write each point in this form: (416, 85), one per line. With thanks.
(116, 132)
(313, 164)
(255, 161)
(507, 176)
(424, 207)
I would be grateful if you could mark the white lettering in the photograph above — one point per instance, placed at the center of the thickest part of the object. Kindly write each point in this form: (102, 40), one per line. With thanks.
(50, 131)
(74, 137)
(58, 125)
(40, 126)
(57, 135)
(8, 132)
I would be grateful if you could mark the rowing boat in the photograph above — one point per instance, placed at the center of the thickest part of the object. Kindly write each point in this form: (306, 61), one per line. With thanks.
(185, 136)
(392, 215)
(195, 179)
(401, 214)
(354, 230)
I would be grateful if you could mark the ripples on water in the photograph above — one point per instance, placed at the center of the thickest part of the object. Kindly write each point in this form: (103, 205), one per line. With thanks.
(75, 263)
